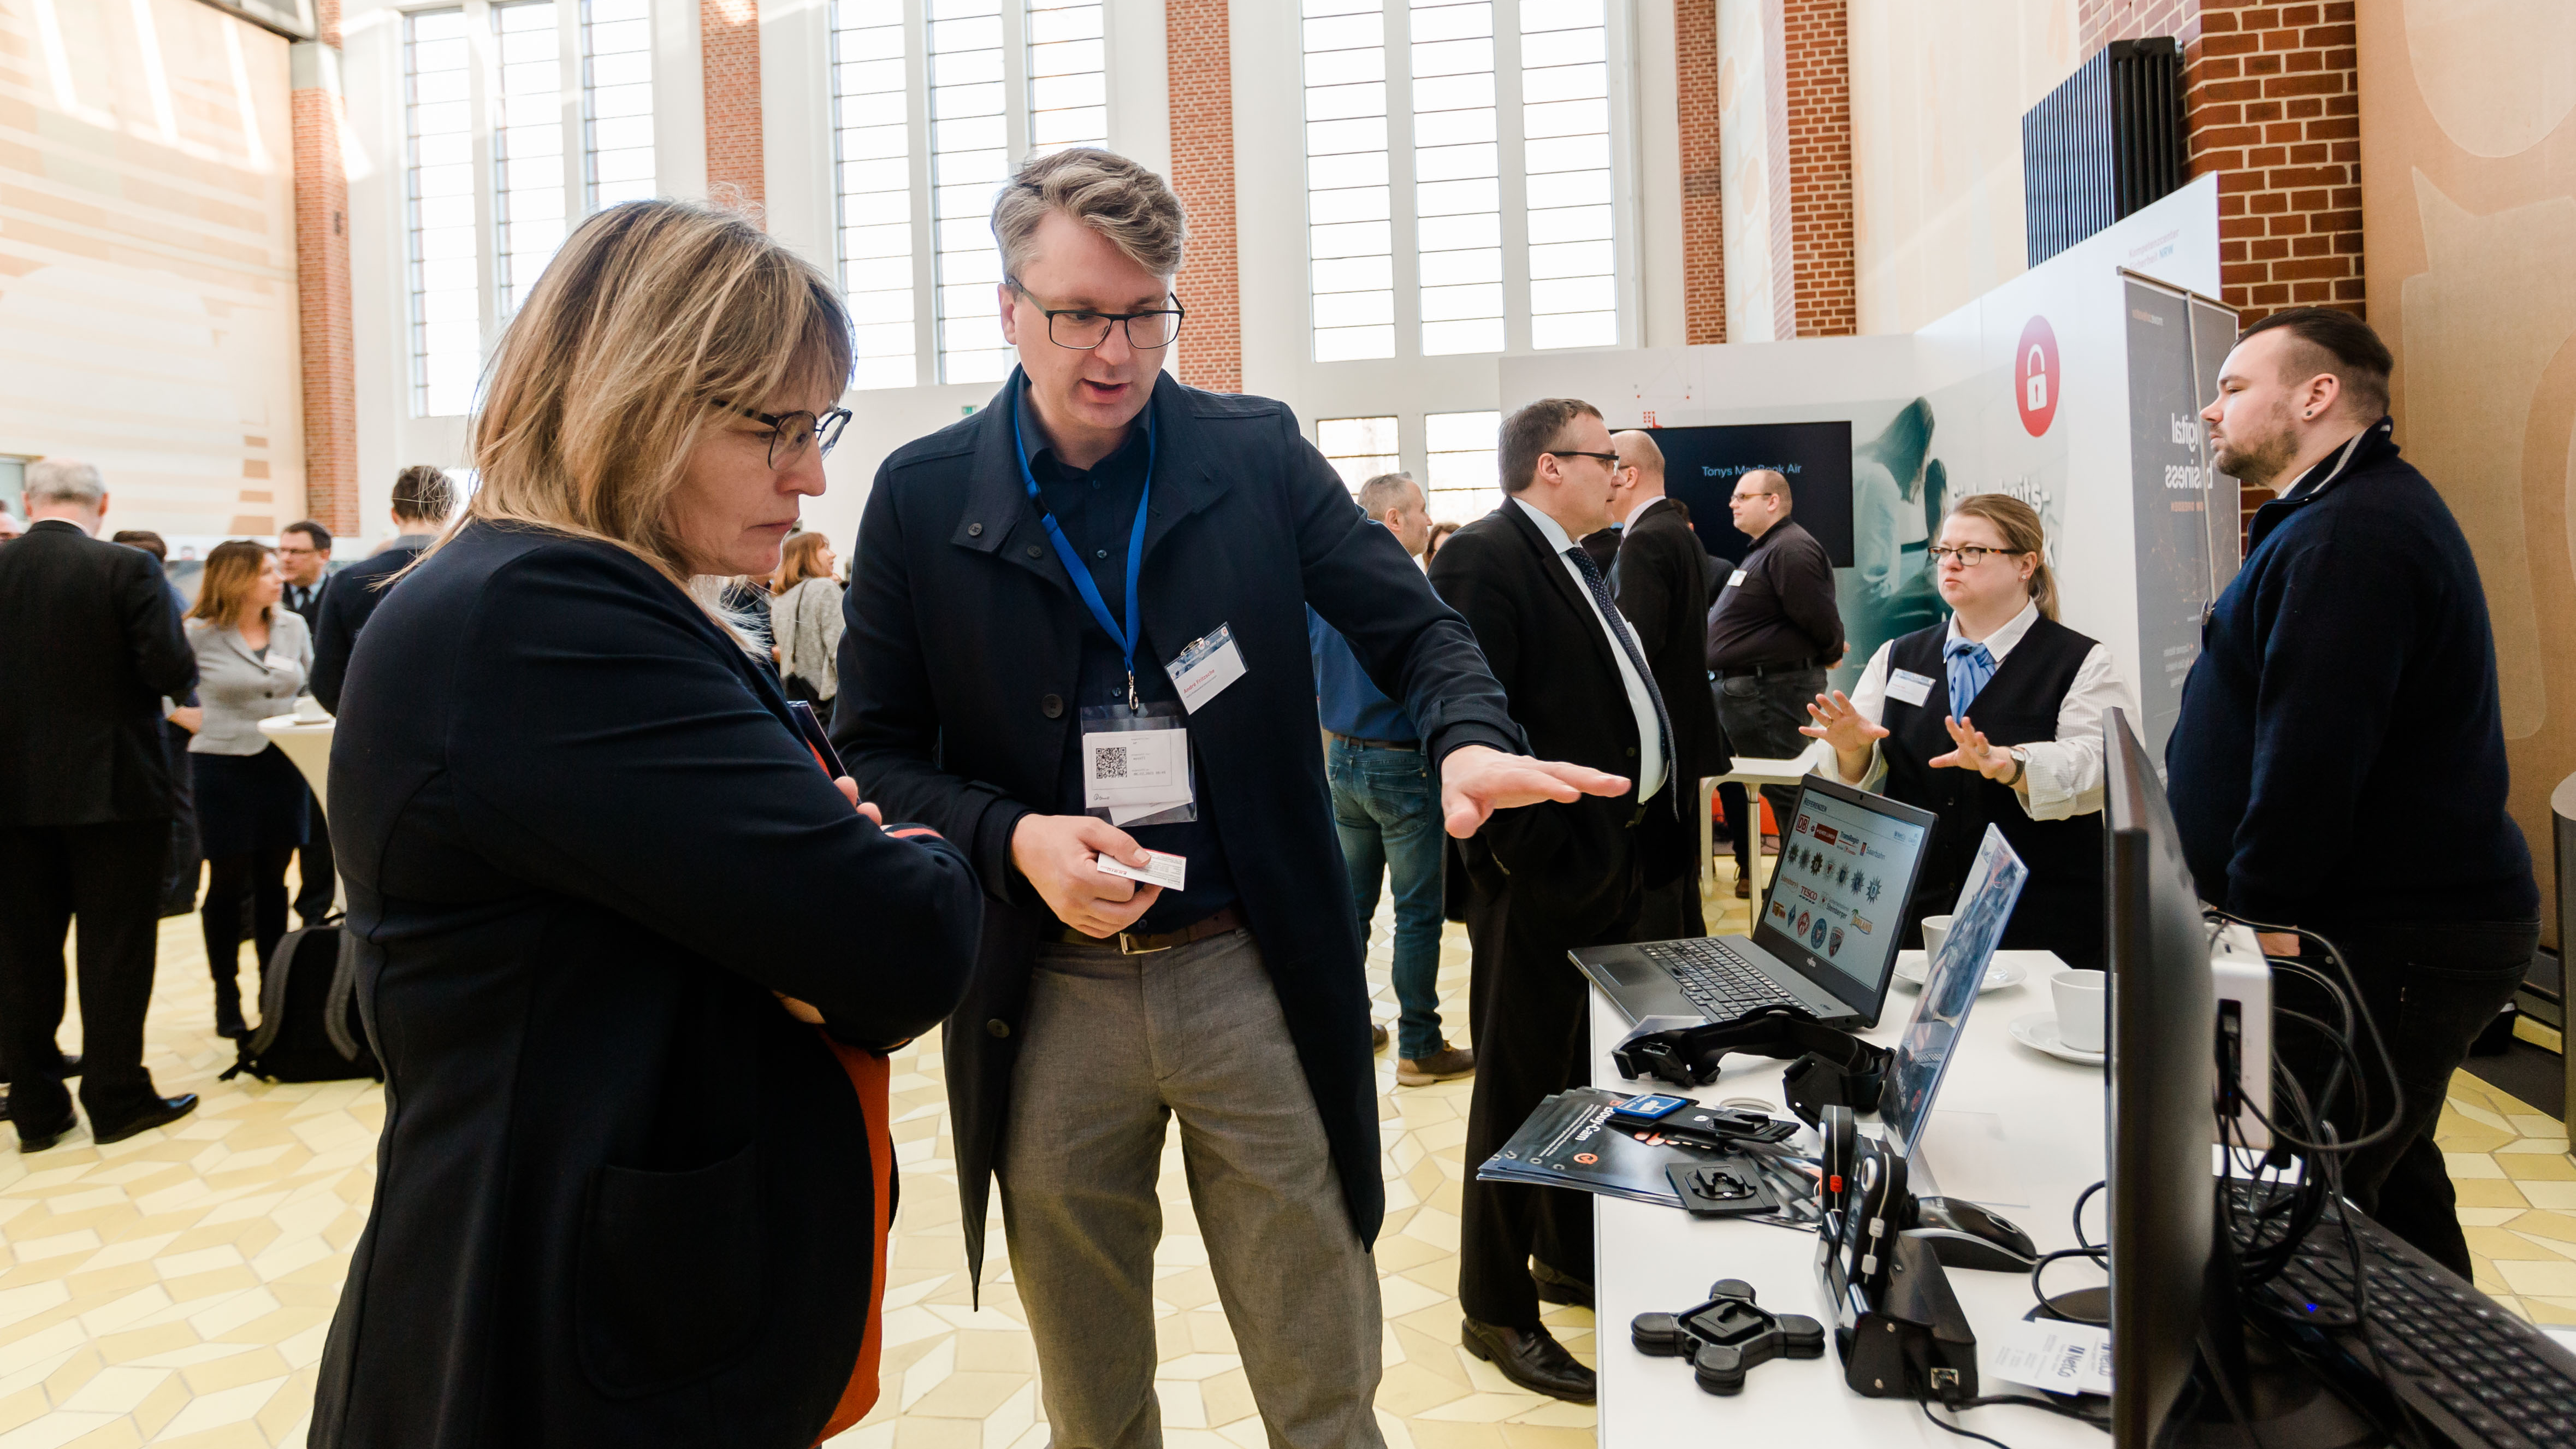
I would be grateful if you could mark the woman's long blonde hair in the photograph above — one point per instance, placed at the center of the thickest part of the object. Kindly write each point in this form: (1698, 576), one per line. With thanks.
(654, 320)
(800, 560)
(2019, 524)
(232, 566)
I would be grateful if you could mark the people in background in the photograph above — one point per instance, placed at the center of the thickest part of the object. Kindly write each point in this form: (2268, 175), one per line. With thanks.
(10, 528)
(1386, 810)
(1992, 718)
(304, 558)
(2348, 676)
(1660, 579)
(1543, 881)
(1772, 634)
(89, 648)
(806, 613)
(629, 1194)
(424, 497)
(985, 647)
(253, 657)
(1439, 535)
(187, 862)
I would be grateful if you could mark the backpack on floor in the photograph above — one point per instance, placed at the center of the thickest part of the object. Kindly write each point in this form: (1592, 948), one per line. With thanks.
(309, 1029)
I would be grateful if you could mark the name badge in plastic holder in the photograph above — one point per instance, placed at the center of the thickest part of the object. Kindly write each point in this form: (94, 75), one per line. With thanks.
(1136, 767)
(1205, 666)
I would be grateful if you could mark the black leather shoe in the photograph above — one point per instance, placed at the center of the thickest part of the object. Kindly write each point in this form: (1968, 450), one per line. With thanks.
(1556, 1287)
(169, 1110)
(71, 1066)
(38, 1139)
(1531, 1358)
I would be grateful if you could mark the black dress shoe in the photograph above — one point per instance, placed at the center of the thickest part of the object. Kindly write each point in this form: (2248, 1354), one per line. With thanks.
(1531, 1358)
(38, 1139)
(166, 1111)
(1556, 1287)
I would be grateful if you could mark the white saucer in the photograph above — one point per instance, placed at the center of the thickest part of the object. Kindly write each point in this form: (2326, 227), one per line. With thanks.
(1998, 975)
(2038, 1031)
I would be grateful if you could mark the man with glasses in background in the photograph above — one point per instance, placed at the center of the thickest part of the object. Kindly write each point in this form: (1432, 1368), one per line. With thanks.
(423, 499)
(1077, 648)
(304, 557)
(1772, 634)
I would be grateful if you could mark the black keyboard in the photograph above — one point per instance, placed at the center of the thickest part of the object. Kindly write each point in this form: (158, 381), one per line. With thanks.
(1720, 980)
(2462, 1362)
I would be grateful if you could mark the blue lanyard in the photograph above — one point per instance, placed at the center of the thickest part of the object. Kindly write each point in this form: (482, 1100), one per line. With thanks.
(1125, 638)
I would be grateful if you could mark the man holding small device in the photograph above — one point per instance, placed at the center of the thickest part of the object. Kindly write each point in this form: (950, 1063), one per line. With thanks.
(1077, 640)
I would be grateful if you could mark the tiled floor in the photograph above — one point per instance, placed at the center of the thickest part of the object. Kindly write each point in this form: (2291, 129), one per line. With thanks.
(174, 1289)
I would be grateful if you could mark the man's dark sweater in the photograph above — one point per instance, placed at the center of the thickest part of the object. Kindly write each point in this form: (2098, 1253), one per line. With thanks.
(1782, 610)
(2347, 679)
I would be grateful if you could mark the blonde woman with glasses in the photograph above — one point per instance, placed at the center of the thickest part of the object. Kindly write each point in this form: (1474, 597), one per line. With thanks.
(630, 959)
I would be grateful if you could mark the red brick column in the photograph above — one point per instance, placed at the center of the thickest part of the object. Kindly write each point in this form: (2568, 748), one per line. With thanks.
(1200, 68)
(322, 281)
(1817, 38)
(1703, 217)
(729, 59)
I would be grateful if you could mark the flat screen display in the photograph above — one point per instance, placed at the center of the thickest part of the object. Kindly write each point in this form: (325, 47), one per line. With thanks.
(1702, 464)
(1950, 984)
(1837, 900)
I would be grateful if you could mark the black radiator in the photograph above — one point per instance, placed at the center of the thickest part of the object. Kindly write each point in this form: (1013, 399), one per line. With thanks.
(2106, 142)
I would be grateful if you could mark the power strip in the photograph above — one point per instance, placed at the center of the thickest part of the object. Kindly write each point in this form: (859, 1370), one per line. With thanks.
(2244, 988)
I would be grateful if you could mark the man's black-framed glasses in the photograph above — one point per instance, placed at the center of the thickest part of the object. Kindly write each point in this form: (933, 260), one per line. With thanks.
(1083, 329)
(1610, 460)
(791, 433)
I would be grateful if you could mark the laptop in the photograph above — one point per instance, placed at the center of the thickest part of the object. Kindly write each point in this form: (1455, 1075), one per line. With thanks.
(1824, 942)
(1951, 981)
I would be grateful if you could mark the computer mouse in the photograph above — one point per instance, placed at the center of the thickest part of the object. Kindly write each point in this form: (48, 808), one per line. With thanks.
(1963, 1235)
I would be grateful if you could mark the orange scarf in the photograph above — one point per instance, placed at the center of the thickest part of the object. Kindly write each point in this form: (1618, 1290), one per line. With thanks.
(868, 1076)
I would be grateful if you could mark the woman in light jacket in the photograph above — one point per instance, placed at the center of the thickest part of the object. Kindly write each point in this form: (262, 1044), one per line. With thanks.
(806, 615)
(252, 660)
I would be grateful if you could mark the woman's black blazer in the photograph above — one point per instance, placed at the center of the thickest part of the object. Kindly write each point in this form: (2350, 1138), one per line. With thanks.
(622, 1197)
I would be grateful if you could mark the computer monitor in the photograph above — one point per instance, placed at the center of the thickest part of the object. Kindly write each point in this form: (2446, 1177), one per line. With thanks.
(2163, 1014)
(1836, 904)
(1951, 980)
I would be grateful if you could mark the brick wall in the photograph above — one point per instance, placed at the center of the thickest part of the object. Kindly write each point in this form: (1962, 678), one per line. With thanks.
(1703, 216)
(1815, 36)
(1201, 76)
(729, 59)
(329, 355)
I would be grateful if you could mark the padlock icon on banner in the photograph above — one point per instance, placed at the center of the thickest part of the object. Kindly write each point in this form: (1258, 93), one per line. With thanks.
(2035, 389)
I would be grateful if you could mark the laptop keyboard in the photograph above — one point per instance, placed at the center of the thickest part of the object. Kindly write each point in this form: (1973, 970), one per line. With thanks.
(1720, 980)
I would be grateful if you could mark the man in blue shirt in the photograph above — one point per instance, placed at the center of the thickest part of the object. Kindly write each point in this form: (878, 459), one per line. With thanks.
(1384, 808)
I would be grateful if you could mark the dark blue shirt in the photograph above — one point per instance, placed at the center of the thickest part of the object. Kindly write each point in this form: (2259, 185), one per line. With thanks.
(1347, 701)
(1096, 507)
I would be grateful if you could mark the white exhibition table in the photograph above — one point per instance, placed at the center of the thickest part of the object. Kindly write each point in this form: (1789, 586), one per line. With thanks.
(1752, 774)
(307, 746)
(2016, 1130)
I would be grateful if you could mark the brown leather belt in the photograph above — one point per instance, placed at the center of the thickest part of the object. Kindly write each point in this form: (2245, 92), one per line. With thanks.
(1130, 943)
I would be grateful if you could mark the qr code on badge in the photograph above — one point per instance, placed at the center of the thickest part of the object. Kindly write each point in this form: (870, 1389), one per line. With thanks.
(1110, 763)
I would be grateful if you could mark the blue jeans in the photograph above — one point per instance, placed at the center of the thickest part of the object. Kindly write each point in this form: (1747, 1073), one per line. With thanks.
(1389, 819)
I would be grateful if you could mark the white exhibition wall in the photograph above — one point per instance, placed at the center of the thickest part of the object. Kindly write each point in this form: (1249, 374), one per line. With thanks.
(1946, 412)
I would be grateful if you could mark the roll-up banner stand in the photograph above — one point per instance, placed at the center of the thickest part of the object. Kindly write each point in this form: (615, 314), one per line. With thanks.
(2054, 387)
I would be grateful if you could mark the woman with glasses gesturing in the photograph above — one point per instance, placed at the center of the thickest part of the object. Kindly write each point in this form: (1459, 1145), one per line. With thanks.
(630, 958)
(1994, 717)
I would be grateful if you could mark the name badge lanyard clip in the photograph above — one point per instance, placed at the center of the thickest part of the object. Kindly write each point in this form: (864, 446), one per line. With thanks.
(1125, 638)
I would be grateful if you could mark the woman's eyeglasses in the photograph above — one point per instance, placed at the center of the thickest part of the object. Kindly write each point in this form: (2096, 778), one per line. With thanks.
(1969, 555)
(791, 433)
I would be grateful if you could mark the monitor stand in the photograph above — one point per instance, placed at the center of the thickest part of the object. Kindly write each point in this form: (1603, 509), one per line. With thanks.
(2283, 1401)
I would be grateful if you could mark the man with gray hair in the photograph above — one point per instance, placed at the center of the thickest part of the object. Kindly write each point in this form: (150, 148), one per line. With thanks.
(1076, 648)
(1383, 807)
(90, 645)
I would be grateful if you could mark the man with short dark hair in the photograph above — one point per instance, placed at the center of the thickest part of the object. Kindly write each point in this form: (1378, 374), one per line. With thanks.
(1772, 634)
(1553, 877)
(304, 557)
(89, 647)
(423, 499)
(1384, 807)
(2347, 675)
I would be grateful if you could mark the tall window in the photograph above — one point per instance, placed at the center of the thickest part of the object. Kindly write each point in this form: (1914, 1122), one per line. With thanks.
(872, 137)
(1460, 449)
(438, 124)
(1350, 234)
(527, 147)
(1457, 177)
(970, 158)
(1565, 131)
(1358, 448)
(1068, 75)
(617, 101)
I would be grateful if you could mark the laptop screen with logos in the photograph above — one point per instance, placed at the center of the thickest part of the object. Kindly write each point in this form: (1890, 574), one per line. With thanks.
(1836, 904)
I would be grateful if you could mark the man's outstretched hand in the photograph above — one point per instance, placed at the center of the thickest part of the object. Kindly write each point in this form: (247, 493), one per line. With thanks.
(1477, 780)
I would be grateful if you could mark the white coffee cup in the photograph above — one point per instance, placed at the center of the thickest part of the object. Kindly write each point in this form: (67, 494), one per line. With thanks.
(1934, 928)
(2081, 996)
(309, 710)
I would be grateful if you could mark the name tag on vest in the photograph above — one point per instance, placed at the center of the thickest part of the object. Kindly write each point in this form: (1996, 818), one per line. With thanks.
(1908, 687)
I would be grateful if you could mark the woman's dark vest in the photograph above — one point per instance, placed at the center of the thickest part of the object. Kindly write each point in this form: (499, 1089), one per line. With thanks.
(2061, 904)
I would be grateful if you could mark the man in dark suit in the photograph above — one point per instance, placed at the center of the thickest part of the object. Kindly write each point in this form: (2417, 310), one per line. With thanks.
(1102, 557)
(304, 557)
(1544, 880)
(423, 499)
(89, 647)
(1660, 579)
